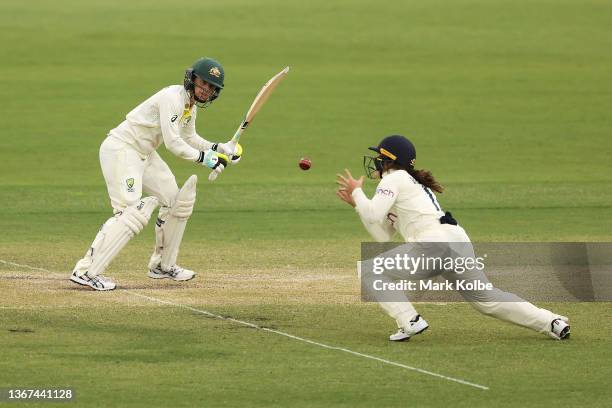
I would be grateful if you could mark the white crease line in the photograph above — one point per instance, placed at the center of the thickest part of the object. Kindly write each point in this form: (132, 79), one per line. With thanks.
(254, 326)
(291, 336)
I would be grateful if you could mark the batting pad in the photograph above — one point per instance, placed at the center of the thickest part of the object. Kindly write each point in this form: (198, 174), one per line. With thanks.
(174, 228)
(117, 235)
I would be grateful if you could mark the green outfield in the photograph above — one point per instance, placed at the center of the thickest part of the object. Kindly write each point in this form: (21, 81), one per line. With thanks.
(508, 103)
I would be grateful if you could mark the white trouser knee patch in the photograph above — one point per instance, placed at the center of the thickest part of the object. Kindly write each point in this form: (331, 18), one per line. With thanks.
(174, 226)
(116, 235)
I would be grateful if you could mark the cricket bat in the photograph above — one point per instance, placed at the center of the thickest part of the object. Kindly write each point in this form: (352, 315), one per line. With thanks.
(258, 102)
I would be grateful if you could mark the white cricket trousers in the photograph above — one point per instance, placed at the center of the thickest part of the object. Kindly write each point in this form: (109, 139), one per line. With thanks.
(496, 303)
(128, 174)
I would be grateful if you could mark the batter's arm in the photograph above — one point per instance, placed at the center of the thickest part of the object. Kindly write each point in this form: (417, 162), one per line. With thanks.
(170, 112)
(193, 139)
(198, 142)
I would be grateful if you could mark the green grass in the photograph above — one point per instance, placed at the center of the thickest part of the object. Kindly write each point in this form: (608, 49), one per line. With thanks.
(165, 356)
(508, 104)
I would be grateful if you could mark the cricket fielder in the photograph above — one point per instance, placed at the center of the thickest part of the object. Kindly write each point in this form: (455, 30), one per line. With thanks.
(405, 202)
(131, 166)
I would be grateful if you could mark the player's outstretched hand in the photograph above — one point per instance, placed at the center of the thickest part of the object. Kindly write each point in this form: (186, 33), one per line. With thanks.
(347, 183)
(346, 197)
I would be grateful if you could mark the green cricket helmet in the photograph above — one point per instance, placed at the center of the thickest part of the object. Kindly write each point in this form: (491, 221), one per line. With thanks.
(208, 70)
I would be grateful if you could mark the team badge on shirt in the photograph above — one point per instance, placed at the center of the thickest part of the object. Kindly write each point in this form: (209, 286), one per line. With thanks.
(186, 116)
(130, 184)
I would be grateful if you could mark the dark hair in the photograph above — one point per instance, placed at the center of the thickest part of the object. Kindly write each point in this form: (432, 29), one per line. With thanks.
(424, 177)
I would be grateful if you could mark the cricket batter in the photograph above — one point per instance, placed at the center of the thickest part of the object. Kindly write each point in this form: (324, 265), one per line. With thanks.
(131, 166)
(405, 202)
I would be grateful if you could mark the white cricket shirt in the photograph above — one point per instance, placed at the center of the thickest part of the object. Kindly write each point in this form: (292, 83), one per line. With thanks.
(400, 204)
(164, 117)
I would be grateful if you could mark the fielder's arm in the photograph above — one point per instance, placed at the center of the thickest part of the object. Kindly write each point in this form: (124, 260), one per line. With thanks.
(375, 211)
(380, 232)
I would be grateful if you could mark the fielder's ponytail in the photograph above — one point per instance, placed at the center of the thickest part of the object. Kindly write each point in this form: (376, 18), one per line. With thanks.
(425, 178)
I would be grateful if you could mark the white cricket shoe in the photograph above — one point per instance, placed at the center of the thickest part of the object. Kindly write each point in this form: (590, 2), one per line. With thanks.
(417, 325)
(96, 283)
(176, 272)
(560, 328)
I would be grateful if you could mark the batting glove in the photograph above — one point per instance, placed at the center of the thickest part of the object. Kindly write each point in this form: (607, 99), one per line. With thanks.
(215, 161)
(231, 149)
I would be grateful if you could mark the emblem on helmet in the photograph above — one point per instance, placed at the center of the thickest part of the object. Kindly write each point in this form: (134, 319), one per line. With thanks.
(214, 71)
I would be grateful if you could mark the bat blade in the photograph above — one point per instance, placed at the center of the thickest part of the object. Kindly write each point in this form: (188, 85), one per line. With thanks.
(264, 94)
(260, 99)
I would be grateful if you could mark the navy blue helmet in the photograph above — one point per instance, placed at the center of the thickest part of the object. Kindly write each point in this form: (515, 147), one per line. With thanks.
(392, 149)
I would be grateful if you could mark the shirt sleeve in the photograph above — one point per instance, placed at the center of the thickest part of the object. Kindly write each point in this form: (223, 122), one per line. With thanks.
(375, 211)
(193, 139)
(198, 142)
(170, 112)
(380, 232)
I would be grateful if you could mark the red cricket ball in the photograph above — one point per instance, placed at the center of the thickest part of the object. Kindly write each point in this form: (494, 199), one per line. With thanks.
(305, 163)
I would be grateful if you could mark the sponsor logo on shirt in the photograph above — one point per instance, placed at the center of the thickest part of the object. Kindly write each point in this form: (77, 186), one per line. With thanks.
(385, 191)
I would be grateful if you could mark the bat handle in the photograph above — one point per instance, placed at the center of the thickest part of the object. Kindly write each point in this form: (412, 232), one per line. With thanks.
(239, 131)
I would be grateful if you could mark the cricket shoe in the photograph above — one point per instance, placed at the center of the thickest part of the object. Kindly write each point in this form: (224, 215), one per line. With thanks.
(96, 283)
(175, 272)
(560, 328)
(417, 325)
